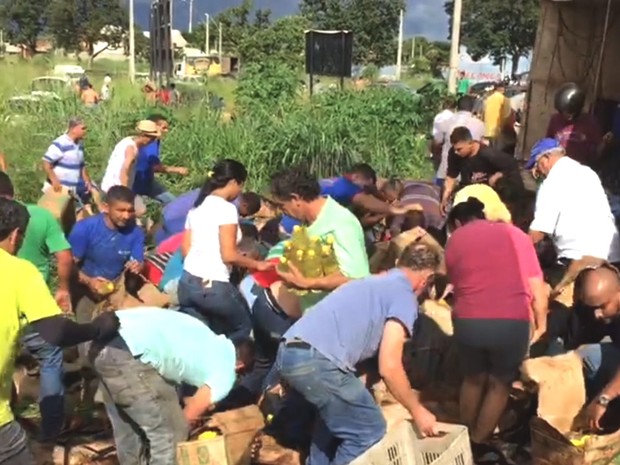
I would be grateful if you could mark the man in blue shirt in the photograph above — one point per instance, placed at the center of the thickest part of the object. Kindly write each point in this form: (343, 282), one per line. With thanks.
(149, 162)
(104, 246)
(354, 189)
(319, 353)
(156, 351)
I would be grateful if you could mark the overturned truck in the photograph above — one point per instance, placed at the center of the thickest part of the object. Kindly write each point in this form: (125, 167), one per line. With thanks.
(577, 41)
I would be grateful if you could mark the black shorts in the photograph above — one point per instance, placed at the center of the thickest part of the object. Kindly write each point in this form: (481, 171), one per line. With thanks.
(494, 347)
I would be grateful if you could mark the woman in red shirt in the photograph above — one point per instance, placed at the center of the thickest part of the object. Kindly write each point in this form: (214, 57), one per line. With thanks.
(496, 281)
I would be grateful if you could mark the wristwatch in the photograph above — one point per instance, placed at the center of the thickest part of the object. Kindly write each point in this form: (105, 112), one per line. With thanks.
(603, 400)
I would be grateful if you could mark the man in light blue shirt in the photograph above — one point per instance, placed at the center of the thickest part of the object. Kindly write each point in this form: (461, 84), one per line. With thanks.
(157, 350)
(318, 355)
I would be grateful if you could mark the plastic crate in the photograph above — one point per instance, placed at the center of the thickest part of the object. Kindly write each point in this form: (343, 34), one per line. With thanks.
(401, 446)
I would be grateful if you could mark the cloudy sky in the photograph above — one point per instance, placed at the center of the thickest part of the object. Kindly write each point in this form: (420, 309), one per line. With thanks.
(423, 17)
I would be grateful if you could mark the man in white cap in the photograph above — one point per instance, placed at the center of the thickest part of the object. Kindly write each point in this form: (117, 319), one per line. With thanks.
(571, 207)
(121, 167)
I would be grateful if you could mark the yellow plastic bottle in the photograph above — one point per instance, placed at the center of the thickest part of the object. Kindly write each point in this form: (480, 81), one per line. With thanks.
(328, 260)
(207, 435)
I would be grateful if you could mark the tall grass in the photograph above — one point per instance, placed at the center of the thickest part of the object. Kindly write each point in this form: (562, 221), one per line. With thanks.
(328, 133)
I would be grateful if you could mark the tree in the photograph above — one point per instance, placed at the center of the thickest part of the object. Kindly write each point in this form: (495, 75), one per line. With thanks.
(498, 28)
(236, 27)
(374, 24)
(283, 41)
(24, 21)
(430, 56)
(77, 25)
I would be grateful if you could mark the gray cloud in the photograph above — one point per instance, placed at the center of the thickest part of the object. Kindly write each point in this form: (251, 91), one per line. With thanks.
(423, 17)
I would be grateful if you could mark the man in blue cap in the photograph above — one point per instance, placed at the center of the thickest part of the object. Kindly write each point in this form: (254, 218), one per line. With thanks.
(571, 207)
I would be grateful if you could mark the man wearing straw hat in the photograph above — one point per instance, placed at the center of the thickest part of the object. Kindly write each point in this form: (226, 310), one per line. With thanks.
(121, 167)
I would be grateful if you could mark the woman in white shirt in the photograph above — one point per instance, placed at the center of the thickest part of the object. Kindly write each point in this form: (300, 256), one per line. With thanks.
(210, 249)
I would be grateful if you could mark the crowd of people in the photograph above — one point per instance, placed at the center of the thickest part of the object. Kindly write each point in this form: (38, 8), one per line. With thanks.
(240, 326)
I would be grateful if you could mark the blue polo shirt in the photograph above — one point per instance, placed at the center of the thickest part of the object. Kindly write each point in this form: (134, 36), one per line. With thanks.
(148, 157)
(175, 344)
(347, 325)
(341, 189)
(104, 251)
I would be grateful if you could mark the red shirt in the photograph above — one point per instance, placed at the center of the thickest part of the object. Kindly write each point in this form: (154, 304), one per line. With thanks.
(489, 265)
(580, 137)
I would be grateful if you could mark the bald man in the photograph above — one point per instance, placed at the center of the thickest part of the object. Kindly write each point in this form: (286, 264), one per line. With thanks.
(599, 294)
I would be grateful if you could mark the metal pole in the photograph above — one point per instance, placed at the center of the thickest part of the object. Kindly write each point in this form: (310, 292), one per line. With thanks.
(220, 47)
(455, 45)
(191, 15)
(207, 34)
(132, 44)
(399, 58)
(413, 49)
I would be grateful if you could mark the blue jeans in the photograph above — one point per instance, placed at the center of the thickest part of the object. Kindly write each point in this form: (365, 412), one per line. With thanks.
(600, 364)
(159, 193)
(269, 324)
(143, 407)
(52, 393)
(14, 448)
(349, 422)
(218, 304)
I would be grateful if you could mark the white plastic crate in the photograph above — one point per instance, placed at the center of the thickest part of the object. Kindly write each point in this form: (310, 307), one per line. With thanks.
(401, 446)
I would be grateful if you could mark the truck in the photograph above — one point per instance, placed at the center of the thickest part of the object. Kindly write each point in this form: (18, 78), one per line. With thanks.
(195, 66)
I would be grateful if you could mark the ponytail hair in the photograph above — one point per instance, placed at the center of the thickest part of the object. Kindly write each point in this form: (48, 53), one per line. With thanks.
(223, 172)
(466, 212)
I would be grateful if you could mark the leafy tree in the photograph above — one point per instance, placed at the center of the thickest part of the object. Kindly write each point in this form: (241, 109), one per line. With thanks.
(77, 25)
(430, 56)
(237, 26)
(498, 28)
(374, 24)
(266, 87)
(24, 21)
(283, 41)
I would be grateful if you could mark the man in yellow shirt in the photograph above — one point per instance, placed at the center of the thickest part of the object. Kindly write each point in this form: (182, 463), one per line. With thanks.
(25, 299)
(497, 111)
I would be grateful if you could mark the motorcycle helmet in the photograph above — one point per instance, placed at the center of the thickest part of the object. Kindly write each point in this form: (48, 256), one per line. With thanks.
(570, 99)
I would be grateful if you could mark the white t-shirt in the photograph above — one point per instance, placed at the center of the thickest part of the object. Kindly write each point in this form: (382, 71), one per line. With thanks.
(571, 206)
(204, 258)
(112, 176)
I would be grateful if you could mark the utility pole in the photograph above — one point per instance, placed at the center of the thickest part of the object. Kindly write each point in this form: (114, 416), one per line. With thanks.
(455, 46)
(171, 14)
(220, 40)
(191, 15)
(207, 38)
(399, 58)
(413, 49)
(132, 44)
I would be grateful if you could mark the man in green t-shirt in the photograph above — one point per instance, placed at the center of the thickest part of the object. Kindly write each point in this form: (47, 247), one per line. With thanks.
(298, 194)
(44, 237)
(463, 84)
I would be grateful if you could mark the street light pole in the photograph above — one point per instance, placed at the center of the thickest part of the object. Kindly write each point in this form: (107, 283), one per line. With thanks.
(132, 44)
(207, 36)
(220, 47)
(191, 15)
(399, 58)
(455, 46)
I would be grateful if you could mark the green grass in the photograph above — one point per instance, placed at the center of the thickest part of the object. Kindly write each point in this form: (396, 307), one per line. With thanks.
(329, 133)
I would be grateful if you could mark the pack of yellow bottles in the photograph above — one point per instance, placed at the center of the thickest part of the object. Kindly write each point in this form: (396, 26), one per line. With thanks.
(314, 257)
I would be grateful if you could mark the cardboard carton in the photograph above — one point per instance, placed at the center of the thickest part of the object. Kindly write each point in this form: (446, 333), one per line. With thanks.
(561, 399)
(238, 428)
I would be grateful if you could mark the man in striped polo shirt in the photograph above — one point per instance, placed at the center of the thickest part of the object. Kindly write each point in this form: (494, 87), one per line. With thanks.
(63, 162)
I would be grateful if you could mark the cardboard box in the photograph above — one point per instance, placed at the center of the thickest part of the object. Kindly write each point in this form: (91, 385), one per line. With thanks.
(561, 399)
(238, 428)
